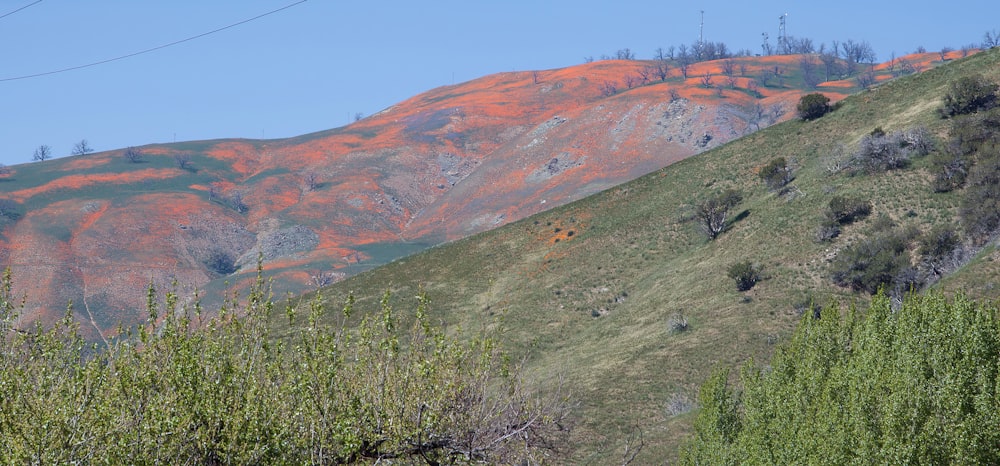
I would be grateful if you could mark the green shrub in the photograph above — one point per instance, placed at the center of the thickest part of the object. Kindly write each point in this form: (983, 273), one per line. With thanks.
(950, 170)
(844, 210)
(980, 208)
(969, 94)
(776, 174)
(745, 274)
(184, 388)
(881, 261)
(813, 106)
(878, 386)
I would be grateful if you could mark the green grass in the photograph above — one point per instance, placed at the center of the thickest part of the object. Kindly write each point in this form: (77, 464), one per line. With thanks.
(634, 260)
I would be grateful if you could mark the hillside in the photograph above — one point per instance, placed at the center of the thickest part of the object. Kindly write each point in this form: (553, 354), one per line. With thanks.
(453, 161)
(593, 293)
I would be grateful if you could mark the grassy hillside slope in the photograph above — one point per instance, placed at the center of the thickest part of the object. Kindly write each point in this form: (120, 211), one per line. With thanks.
(444, 164)
(588, 291)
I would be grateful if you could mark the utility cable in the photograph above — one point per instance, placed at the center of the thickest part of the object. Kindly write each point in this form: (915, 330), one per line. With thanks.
(122, 57)
(19, 9)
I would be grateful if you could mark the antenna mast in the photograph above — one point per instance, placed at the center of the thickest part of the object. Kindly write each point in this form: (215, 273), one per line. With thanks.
(701, 29)
(782, 36)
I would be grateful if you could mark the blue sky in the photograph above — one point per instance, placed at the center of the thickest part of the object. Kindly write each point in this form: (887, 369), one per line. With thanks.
(314, 65)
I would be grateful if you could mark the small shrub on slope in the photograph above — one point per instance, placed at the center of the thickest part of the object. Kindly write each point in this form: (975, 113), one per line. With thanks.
(969, 94)
(813, 106)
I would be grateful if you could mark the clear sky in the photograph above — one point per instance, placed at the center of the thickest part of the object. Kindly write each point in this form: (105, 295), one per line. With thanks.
(314, 65)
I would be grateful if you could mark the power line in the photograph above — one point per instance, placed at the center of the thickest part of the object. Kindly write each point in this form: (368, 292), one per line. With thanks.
(130, 55)
(19, 9)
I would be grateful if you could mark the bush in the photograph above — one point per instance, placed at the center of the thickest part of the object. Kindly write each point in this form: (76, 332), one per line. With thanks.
(10, 210)
(220, 262)
(677, 323)
(712, 213)
(827, 230)
(745, 274)
(843, 210)
(813, 106)
(980, 208)
(339, 388)
(937, 250)
(776, 174)
(874, 263)
(950, 170)
(879, 152)
(968, 95)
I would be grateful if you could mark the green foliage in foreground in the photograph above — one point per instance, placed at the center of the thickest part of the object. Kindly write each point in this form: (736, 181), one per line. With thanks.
(914, 386)
(220, 391)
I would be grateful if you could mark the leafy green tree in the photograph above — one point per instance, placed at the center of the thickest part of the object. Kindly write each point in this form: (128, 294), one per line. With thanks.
(969, 94)
(917, 385)
(813, 106)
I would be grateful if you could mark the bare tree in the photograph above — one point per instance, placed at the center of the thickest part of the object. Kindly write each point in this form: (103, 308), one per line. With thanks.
(183, 161)
(670, 52)
(624, 54)
(809, 75)
(631, 81)
(831, 64)
(732, 82)
(662, 70)
(358, 116)
(991, 39)
(858, 52)
(684, 66)
(311, 180)
(728, 67)
(42, 154)
(535, 77)
(752, 86)
(609, 88)
(866, 79)
(660, 55)
(82, 148)
(706, 80)
(795, 45)
(634, 444)
(133, 155)
(674, 95)
(743, 69)
(236, 202)
(644, 74)
(765, 76)
(214, 190)
(712, 213)
(943, 53)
